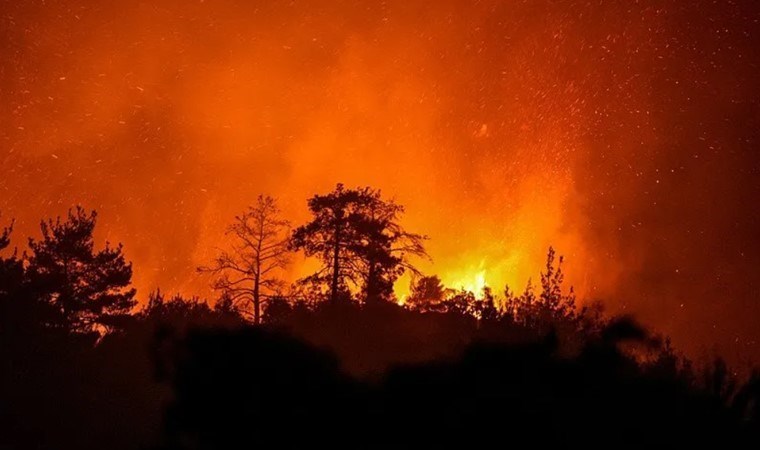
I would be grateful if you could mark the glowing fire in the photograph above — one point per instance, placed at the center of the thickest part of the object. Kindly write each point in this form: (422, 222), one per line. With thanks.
(169, 140)
(471, 279)
(503, 127)
(473, 284)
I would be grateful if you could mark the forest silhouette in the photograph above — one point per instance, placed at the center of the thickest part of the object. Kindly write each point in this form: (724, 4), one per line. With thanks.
(334, 359)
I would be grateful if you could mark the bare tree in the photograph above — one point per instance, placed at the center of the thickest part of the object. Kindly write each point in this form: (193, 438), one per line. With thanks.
(248, 272)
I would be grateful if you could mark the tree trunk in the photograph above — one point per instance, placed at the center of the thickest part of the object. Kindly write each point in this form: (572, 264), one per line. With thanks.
(371, 287)
(336, 265)
(256, 302)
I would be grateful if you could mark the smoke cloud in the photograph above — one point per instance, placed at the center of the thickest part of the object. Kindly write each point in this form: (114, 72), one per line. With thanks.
(624, 134)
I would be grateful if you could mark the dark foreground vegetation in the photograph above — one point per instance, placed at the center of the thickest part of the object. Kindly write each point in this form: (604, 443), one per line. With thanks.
(333, 361)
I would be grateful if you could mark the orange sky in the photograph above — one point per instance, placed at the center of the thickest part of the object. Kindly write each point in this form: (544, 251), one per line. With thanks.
(621, 133)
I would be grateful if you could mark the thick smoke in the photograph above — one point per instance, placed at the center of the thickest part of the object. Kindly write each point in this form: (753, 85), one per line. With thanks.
(622, 133)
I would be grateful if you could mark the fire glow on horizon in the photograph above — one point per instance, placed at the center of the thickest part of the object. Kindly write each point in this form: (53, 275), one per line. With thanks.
(609, 131)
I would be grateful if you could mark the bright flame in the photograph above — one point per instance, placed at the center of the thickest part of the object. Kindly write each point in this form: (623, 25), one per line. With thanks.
(182, 130)
(503, 127)
(473, 283)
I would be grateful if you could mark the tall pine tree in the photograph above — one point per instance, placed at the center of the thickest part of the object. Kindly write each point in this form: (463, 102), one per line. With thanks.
(88, 288)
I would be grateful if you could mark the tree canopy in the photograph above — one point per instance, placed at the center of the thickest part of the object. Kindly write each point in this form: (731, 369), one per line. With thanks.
(357, 236)
(87, 287)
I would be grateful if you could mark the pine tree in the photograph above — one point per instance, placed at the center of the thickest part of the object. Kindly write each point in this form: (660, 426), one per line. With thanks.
(88, 288)
(356, 235)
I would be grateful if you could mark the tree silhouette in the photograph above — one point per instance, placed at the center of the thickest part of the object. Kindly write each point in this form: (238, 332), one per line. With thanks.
(11, 269)
(537, 365)
(333, 237)
(356, 235)
(5, 236)
(485, 307)
(426, 294)
(87, 288)
(459, 301)
(11, 281)
(521, 306)
(386, 247)
(247, 273)
(552, 297)
(551, 307)
(179, 312)
(23, 311)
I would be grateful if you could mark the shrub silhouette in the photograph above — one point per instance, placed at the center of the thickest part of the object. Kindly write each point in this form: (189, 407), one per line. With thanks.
(450, 369)
(491, 393)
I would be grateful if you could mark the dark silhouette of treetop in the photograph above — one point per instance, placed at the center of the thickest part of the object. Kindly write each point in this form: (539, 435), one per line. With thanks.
(356, 235)
(426, 294)
(5, 236)
(187, 373)
(551, 307)
(552, 296)
(88, 287)
(248, 273)
(11, 272)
